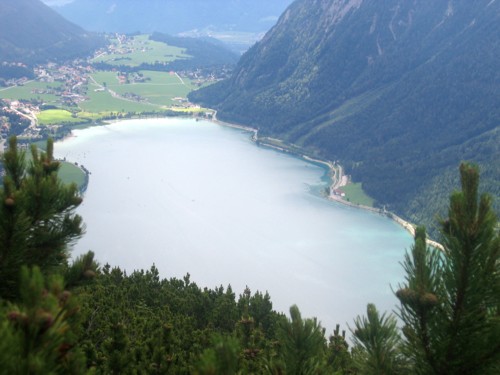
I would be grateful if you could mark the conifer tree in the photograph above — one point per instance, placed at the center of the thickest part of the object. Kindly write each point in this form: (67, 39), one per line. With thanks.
(37, 220)
(338, 357)
(302, 344)
(221, 358)
(377, 344)
(451, 298)
(39, 333)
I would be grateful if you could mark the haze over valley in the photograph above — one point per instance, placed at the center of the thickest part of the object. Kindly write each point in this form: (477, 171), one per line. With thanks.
(237, 23)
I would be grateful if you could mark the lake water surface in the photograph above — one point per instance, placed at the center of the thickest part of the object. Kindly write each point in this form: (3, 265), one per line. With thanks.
(195, 197)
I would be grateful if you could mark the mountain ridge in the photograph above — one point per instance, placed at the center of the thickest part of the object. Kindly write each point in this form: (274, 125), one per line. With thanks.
(30, 31)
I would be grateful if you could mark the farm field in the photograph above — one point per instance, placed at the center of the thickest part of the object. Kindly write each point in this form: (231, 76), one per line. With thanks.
(28, 92)
(103, 101)
(141, 50)
(56, 116)
(104, 78)
(157, 90)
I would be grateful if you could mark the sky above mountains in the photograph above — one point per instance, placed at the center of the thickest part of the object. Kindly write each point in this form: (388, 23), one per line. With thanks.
(57, 2)
(171, 15)
(238, 23)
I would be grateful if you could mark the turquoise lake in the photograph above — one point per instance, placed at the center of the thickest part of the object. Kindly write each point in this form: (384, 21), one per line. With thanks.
(199, 198)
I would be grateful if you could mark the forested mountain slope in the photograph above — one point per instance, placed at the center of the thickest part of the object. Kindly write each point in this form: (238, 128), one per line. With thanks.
(399, 91)
(32, 32)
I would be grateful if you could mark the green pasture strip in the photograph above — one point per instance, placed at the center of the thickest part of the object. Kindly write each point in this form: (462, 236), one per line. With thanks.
(70, 173)
(94, 118)
(25, 92)
(166, 78)
(161, 95)
(56, 116)
(102, 101)
(103, 77)
(158, 89)
(354, 193)
(189, 110)
(142, 50)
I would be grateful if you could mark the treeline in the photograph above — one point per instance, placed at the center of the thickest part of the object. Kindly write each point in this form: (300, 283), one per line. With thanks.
(60, 317)
(10, 71)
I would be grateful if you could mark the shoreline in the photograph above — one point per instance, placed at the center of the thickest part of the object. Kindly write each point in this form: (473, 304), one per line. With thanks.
(335, 171)
(337, 179)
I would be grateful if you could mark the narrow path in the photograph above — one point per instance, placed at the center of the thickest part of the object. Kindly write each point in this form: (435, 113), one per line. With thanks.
(115, 95)
(10, 87)
(182, 81)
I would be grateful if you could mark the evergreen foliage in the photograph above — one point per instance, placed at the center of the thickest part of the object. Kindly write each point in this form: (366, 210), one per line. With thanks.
(377, 344)
(451, 299)
(39, 333)
(37, 220)
(302, 344)
(171, 325)
(338, 357)
(221, 358)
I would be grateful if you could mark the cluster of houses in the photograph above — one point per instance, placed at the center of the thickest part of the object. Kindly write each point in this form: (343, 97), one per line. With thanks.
(122, 47)
(73, 79)
(20, 115)
(200, 77)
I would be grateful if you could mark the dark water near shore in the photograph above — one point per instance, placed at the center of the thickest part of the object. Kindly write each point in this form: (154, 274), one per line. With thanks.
(200, 198)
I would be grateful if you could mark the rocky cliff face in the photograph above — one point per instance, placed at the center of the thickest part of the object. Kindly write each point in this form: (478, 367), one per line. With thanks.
(399, 90)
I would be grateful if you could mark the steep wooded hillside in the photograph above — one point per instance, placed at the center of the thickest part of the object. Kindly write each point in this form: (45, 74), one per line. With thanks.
(399, 91)
(32, 32)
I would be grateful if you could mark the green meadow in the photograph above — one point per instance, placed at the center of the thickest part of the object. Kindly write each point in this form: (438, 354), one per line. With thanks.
(158, 90)
(56, 116)
(70, 173)
(29, 91)
(104, 78)
(103, 101)
(354, 193)
(142, 50)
